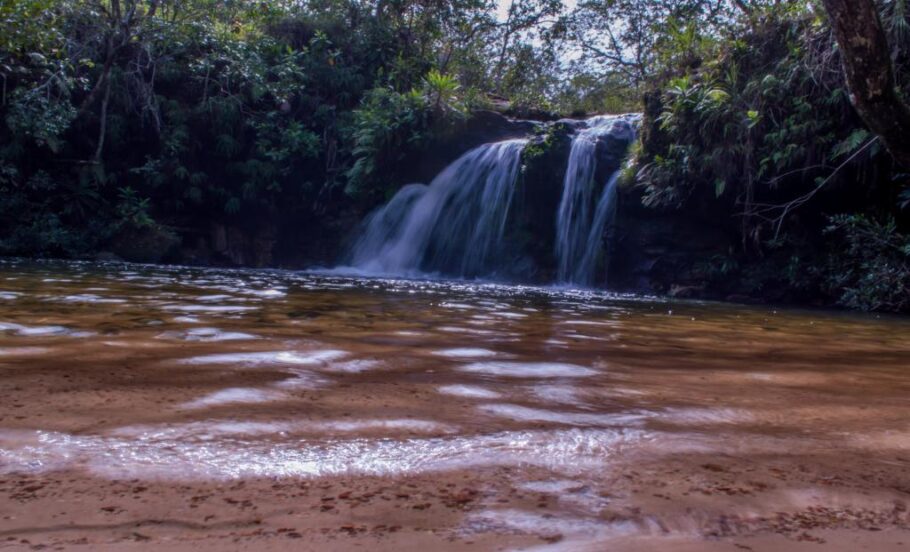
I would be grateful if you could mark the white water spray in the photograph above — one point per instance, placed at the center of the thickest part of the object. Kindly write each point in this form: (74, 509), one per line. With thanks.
(579, 228)
(455, 225)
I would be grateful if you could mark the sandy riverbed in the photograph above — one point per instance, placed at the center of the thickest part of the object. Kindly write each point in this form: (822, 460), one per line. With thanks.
(217, 410)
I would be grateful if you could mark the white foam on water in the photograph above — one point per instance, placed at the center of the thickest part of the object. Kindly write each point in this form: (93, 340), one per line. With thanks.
(525, 414)
(705, 416)
(469, 391)
(211, 308)
(896, 439)
(459, 306)
(554, 487)
(187, 319)
(218, 429)
(514, 315)
(350, 426)
(10, 295)
(214, 298)
(301, 379)
(268, 293)
(208, 334)
(268, 357)
(589, 337)
(23, 351)
(88, 298)
(569, 532)
(457, 329)
(153, 455)
(560, 394)
(203, 430)
(591, 323)
(621, 392)
(235, 395)
(352, 366)
(34, 331)
(528, 369)
(465, 353)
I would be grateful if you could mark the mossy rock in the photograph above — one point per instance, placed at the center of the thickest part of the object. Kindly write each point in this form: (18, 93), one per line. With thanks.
(549, 141)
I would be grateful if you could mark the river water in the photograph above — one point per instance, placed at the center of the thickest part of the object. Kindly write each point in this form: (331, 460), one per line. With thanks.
(510, 416)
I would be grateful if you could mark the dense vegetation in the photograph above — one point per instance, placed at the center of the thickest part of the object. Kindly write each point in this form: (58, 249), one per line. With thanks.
(144, 126)
(755, 122)
(126, 119)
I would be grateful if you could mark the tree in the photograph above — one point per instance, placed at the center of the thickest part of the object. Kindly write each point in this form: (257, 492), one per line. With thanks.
(521, 16)
(637, 39)
(628, 37)
(120, 23)
(870, 75)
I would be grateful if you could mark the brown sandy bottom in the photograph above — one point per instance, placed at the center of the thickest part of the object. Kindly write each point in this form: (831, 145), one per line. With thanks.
(149, 408)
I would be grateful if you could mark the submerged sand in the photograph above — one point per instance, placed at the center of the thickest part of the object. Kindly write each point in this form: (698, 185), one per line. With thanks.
(149, 408)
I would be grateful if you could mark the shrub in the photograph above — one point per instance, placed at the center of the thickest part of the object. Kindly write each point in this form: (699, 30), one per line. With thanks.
(872, 269)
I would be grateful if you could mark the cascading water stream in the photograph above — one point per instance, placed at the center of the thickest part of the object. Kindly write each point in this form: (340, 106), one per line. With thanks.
(579, 228)
(456, 226)
(453, 226)
(605, 211)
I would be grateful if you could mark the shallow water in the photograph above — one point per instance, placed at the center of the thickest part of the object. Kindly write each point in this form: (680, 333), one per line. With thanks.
(179, 374)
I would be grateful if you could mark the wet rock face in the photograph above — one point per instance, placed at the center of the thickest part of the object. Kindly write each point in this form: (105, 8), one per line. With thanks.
(539, 189)
(224, 244)
(489, 126)
(545, 161)
(662, 252)
(483, 127)
(146, 244)
(612, 149)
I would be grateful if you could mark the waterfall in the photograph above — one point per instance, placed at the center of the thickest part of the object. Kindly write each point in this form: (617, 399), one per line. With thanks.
(384, 227)
(579, 228)
(606, 209)
(453, 226)
(457, 225)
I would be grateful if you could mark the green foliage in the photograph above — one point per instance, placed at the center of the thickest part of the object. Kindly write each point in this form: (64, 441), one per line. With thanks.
(872, 269)
(186, 112)
(132, 209)
(851, 143)
(761, 117)
(442, 92)
(719, 267)
(904, 199)
(547, 139)
(385, 125)
(753, 129)
(39, 118)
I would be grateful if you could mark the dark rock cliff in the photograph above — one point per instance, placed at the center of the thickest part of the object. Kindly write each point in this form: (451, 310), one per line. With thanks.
(482, 127)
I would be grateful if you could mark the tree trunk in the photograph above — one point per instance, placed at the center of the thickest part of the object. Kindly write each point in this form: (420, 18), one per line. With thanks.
(102, 131)
(102, 80)
(870, 75)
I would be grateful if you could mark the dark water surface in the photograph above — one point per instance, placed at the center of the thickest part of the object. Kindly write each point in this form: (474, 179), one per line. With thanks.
(178, 374)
